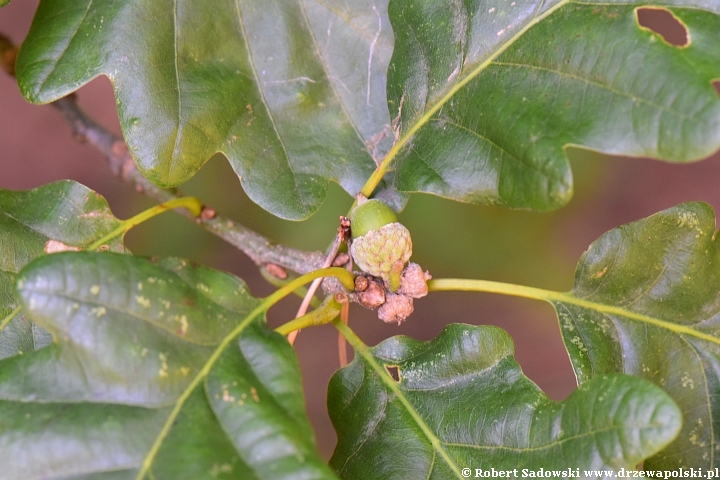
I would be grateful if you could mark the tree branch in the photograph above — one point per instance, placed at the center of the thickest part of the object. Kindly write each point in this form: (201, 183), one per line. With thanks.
(260, 249)
(85, 129)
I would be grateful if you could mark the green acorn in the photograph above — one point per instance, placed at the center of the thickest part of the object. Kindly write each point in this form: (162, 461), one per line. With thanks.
(381, 246)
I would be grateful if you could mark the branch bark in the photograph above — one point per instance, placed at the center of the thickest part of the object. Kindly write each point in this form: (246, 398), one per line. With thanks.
(259, 248)
(85, 129)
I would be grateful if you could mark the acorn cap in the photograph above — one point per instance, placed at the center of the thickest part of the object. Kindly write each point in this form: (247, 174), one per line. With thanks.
(377, 251)
(381, 245)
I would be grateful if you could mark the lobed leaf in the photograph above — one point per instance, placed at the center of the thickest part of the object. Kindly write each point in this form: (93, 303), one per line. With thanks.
(133, 342)
(462, 401)
(293, 93)
(646, 303)
(60, 215)
(486, 94)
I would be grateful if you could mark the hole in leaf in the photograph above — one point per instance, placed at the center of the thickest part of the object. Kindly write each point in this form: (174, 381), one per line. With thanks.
(716, 84)
(393, 371)
(665, 24)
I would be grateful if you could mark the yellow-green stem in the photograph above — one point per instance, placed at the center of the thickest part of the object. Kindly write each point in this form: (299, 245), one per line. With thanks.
(346, 278)
(191, 203)
(300, 292)
(329, 309)
(453, 284)
(394, 281)
(458, 284)
(357, 344)
(364, 351)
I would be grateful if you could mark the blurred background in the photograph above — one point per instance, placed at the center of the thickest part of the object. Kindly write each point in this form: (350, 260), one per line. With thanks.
(449, 239)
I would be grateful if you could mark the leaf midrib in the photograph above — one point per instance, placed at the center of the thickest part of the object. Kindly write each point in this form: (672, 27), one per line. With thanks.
(36, 229)
(261, 308)
(404, 139)
(610, 309)
(557, 442)
(426, 117)
(325, 69)
(587, 81)
(65, 48)
(261, 93)
(179, 127)
(364, 351)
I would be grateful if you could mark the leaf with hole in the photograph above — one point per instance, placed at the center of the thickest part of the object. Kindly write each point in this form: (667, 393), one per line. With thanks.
(131, 383)
(646, 303)
(487, 94)
(461, 400)
(59, 216)
(293, 93)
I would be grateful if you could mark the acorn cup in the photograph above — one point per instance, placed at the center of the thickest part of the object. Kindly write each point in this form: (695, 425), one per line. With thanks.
(381, 246)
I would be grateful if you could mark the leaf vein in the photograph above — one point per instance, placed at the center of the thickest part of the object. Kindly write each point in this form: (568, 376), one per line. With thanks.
(67, 45)
(176, 147)
(261, 93)
(596, 84)
(129, 313)
(323, 65)
(555, 443)
(376, 422)
(437, 106)
(708, 402)
(530, 165)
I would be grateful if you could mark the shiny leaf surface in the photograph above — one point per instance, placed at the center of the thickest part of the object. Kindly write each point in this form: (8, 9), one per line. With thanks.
(487, 93)
(131, 341)
(59, 216)
(646, 303)
(293, 93)
(461, 401)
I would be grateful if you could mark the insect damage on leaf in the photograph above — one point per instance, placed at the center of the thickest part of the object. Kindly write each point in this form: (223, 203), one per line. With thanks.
(55, 246)
(664, 23)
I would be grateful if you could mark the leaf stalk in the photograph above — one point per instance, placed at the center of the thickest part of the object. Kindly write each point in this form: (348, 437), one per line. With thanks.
(454, 284)
(329, 309)
(192, 204)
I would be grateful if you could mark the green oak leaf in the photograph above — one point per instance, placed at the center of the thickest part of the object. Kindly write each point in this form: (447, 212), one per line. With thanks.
(461, 401)
(132, 338)
(50, 218)
(646, 303)
(486, 94)
(292, 92)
